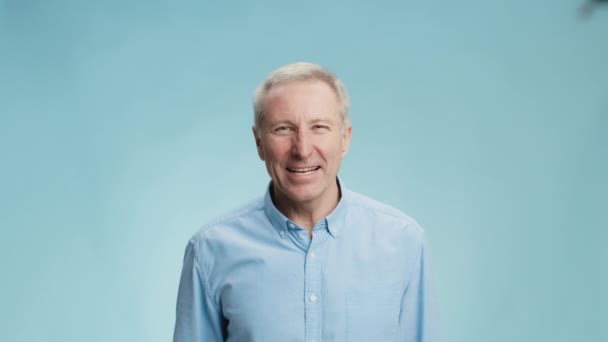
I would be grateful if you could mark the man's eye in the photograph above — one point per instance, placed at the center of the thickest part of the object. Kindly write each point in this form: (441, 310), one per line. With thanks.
(320, 127)
(282, 129)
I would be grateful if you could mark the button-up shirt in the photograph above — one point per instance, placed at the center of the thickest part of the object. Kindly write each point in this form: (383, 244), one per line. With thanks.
(255, 275)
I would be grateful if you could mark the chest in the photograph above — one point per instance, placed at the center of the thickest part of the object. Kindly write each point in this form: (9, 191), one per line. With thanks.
(337, 290)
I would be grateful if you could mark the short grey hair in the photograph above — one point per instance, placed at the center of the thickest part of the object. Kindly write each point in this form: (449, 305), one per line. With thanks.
(300, 71)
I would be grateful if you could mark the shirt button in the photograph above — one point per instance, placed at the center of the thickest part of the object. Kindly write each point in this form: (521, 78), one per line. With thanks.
(313, 298)
(291, 225)
(312, 254)
(282, 233)
(333, 231)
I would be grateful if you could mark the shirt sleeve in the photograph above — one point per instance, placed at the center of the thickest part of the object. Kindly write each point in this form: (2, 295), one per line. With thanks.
(419, 314)
(197, 317)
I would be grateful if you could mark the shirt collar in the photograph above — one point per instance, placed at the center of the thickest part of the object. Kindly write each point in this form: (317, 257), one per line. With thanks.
(281, 223)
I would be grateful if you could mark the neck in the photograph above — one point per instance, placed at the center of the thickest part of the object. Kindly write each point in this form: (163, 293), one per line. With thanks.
(307, 214)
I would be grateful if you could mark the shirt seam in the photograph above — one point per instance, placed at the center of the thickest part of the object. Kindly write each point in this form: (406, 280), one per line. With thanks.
(217, 223)
(201, 235)
(202, 275)
(415, 265)
(408, 223)
(403, 217)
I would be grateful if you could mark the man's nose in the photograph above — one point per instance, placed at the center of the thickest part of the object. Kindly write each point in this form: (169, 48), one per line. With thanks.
(302, 144)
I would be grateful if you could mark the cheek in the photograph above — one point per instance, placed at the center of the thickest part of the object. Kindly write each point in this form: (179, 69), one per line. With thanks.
(277, 150)
(336, 151)
(272, 154)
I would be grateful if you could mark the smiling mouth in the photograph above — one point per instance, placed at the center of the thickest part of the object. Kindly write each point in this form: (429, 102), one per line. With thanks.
(304, 170)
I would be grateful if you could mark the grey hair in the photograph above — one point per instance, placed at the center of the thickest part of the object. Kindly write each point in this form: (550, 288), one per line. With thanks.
(300, 71)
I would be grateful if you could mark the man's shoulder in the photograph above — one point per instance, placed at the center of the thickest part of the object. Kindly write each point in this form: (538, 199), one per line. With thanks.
(230, 221)
(385, 212)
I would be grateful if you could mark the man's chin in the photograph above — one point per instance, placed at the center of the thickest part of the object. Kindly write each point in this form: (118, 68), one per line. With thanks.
(299, 193)
(301, 196)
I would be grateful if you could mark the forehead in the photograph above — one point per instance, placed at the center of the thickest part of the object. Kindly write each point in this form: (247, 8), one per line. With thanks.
(309, 98)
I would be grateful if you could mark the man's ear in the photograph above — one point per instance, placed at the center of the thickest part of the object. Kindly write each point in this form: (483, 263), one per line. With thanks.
(258, 143)
(348, 131)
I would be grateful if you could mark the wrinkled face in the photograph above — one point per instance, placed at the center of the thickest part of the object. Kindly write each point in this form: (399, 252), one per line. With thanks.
(302, 141)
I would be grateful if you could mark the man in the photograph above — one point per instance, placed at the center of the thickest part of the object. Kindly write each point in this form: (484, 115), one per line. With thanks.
(311, 260)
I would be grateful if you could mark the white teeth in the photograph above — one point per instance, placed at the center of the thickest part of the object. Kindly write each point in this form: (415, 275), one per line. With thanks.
(304, 170)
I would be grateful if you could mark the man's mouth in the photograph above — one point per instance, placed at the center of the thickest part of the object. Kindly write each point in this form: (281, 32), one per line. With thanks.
(303, 170)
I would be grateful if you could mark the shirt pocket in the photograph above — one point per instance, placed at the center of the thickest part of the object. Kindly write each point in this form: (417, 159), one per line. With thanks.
(372, 315)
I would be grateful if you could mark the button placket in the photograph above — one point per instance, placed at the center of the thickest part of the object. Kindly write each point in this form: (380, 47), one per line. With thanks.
(312, 287)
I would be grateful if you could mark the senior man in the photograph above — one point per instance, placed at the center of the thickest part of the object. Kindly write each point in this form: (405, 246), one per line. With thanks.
(310, 260)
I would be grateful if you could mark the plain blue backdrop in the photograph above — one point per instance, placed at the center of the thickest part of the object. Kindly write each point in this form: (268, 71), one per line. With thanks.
(125, 126)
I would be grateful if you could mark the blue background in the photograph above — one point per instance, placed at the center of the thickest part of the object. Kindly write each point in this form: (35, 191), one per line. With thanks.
(125, 125)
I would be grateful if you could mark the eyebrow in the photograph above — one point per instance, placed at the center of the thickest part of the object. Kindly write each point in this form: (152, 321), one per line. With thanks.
(270, 124)
(316, 121)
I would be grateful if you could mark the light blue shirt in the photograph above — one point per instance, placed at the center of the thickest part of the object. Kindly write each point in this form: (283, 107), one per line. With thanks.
(254, 275)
